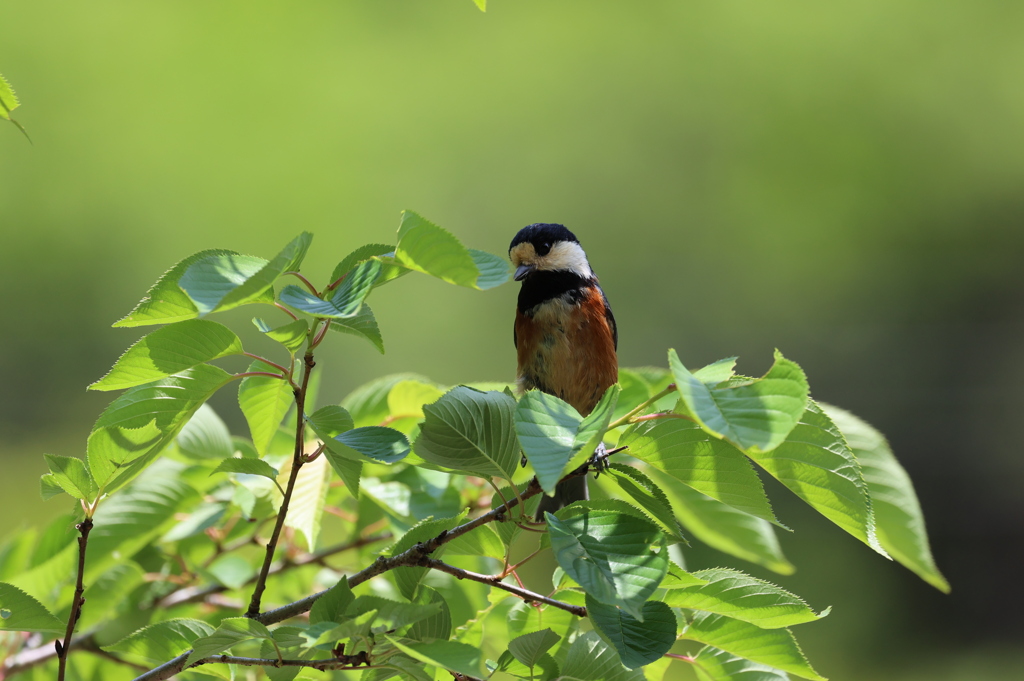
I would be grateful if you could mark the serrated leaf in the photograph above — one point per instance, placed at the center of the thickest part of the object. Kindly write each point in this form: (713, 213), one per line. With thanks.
(231, 570)
(406, 398)
(740, 596)
(362, 324)
(618, 559)
(471, 432)
(49, 487)
(376, 443)
(145, 419)
(248, 467)
(8, 100)
(70, 474)
(230, 632)
(773, 647)
(551, 432)
(816, 464)
(592, 659)
(712, 664)
(899, 521)
(357, 256)
(437, 627)
(482, 4)
(401, 666)
(291, 335)
(756, 415)
(408, 578)
(347, 299)
(308, 498)
(724, 527)
(450, 655)
(165, 302)
(368, 404)
(650, 497)
(21, 612)
(683, 450)
(332, 605)
(264, 402)
(222, 282)
(162, 641)
(170, 350)
(427, 248)
(529, 648)
(483, 541)
(638, 642)
(205, 436)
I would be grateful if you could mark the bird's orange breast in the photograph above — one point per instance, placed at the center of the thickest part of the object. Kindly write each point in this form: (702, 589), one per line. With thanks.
(568, 350)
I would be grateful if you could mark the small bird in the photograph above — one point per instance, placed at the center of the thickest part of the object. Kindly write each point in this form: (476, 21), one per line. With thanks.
(565, 334)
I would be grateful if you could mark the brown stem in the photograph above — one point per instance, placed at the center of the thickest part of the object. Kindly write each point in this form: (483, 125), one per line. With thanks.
(337, 664)
(300, 428)
(266, 361)
(495, 580)
(305, 281)
(64, 648)
(284, 309)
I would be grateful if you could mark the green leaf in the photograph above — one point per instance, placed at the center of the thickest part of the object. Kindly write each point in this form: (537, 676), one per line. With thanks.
(450, 655)
(108, 595)
(347, 299)
(205, 436)
(248, 467)
(145, 419)
(483, 541)
(222, 282)
(162, 641)
(291, 335)
(591, 659)
(774, 647)
(170, 350)
(639, 642)
(723, 527)
(618, 559)
(552, 433)
(899, 522)
(70, 474)
(482, 4)
(437, 627)
(529, 648)
(359, 255)
(308, 498)
(650, 497)
(165, 302)
(742, 597)
(49, 487)
(756, 415)
(264, 402)
(471, 432)
(687, 453)
(392, 614)
(21, 612)
(362, 324)
(230, 632)
(368, 404)
(712, 664)
(408, 578)
(376, 443)
(427, 248)
(524, 618)
(407, 398)
(8, 100)
(332, 605)
(818, 466)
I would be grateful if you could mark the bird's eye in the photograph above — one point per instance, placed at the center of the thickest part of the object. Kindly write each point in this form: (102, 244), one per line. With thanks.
(543, 248)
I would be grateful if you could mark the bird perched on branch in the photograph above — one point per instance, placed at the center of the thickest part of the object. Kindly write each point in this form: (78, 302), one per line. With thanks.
(565, 334)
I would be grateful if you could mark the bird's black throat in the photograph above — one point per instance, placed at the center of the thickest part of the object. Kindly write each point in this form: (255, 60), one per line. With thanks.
(544, 285)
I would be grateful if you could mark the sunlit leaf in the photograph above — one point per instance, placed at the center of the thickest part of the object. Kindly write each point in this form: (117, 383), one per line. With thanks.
(408, 578)
(230, 632)
(362, 324)
(427, 248)
(308, 498)
(590, 659)
(345, 302)
(291, 335)
(712, 664)
(451, 655)
(247, 467)
(70, 473)
(21, 612)
(205, 436)
(161, 641)
(264, 401)
(638, 642)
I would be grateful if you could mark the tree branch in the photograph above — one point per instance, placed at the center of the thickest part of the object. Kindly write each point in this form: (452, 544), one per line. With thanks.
(321, 665)
(64, 648)
(300, 427)
(495, 580)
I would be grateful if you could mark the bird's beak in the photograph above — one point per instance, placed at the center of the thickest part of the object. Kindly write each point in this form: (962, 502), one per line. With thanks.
(522, 271)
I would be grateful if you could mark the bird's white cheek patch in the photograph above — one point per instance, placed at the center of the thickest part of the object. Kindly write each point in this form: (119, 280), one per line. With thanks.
(566, 255)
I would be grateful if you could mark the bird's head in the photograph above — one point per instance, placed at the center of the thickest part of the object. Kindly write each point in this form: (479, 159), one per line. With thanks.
(544, 247)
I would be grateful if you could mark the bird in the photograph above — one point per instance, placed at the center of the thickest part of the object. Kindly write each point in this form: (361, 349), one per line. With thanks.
(565, 334)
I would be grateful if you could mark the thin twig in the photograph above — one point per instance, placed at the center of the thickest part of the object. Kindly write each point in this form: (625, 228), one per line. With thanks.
(669, 389)
(321, 665)
(305, 281)
(495, 580)
(300, 427)
(64, 648)
(284, 309)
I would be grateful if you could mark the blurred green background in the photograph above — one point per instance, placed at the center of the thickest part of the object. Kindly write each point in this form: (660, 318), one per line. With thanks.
(843, 181)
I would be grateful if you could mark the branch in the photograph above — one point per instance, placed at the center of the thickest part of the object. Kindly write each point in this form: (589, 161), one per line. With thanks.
(305, 281)
(64, 648)
(495, 580)
(297, 461)
(346, 662)
(412, 557)
(193, 594)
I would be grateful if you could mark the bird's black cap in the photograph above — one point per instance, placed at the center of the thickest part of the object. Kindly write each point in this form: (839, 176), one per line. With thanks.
(541, 233)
